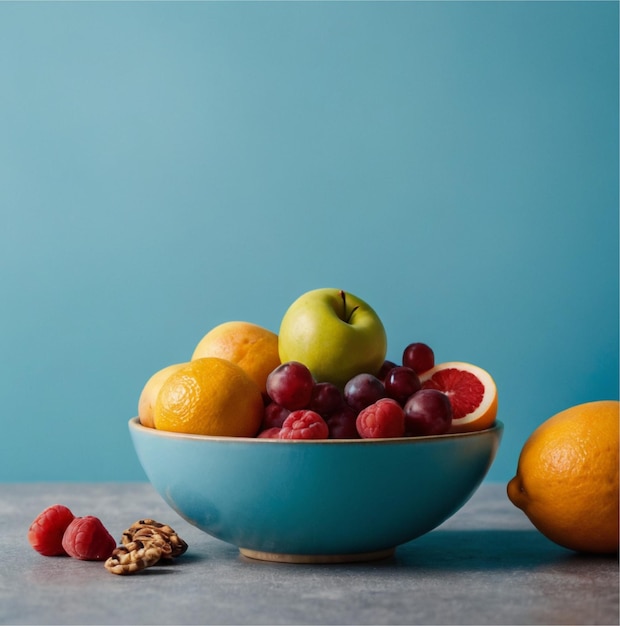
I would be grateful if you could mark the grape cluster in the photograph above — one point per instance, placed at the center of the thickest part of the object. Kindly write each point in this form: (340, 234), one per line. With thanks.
(392, 403)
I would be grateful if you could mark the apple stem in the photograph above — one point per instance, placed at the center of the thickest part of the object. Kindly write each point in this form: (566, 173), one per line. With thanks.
(351, 314)
(347, 318)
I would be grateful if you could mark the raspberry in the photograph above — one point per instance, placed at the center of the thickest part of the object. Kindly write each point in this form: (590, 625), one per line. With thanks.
(384, 418)
(269, 433)
(304, 424)
(86, 538)
(46, 531)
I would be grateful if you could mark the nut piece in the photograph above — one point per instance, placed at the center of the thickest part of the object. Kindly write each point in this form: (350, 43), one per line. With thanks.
(152, 536)
(133, 557)
(149, 528)
(144, 544)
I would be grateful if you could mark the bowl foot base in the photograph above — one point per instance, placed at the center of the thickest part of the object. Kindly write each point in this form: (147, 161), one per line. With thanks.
(277, 557)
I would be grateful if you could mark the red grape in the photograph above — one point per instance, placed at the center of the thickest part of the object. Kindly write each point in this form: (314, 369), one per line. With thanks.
(401, 383)
(419, 357)
(363, 390)
(290, 385)
(274, 416)
(342, 423)
(385, 368)
(428, 412)
(326, 398)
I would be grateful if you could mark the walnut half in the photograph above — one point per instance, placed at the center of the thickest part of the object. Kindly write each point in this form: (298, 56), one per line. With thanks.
(133, 557)
(144, 544)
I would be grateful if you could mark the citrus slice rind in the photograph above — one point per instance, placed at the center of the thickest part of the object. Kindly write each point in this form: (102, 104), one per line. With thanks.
(471, 390)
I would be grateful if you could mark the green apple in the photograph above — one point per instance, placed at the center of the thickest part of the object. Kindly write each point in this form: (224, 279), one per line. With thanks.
(335, 334)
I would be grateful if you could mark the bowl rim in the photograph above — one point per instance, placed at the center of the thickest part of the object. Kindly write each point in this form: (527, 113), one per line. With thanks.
(134, 423)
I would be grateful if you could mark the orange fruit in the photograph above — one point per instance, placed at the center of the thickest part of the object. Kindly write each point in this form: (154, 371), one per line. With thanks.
(252, 347)
(471, 390)
(146, 402)
(567, 477)
(209, 396)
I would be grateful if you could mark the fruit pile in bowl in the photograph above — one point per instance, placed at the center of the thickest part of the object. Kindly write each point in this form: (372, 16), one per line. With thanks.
(310, 445)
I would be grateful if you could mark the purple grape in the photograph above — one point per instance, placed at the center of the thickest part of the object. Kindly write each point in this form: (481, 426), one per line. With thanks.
(401, 383)
(326, 399)
(419, 357)
(428, 412)
(341, 423)
(385, 368)
(363, 390)
(274, 416)
(290, 385)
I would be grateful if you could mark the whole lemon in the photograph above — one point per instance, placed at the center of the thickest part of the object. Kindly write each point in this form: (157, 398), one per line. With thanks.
(209, 396)
(567, 478)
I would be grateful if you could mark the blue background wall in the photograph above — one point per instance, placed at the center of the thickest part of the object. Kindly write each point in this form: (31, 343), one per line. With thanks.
(166, 167)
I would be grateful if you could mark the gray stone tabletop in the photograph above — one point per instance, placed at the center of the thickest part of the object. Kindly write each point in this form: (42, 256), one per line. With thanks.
(485, 565)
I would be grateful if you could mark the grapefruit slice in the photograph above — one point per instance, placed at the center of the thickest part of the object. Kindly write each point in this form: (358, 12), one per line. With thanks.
(471, 390)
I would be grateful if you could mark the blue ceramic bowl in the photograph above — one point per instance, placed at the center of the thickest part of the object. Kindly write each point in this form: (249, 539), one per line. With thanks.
(315, 501)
